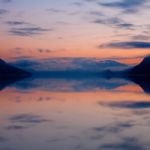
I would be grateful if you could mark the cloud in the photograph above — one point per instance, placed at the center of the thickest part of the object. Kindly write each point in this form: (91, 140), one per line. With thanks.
(3, 11)
(28, 31)
(141, 37)
(53, 10)
(90, 0)
(79, 4)
(97, 13)
(22, 28)
(114, 22)
(41, 50)
(16, 23)
(127, 45)
(7, 1)
(126, 5)
(44, 98)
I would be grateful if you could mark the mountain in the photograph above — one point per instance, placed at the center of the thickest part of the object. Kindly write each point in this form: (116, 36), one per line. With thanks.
(7, 70)
(10, 74)
(53, 64)
(143, 69)
(140, 74)
(111, 63)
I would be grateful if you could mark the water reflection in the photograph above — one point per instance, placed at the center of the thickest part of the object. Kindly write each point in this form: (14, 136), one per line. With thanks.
(75, 84)
(74, 114)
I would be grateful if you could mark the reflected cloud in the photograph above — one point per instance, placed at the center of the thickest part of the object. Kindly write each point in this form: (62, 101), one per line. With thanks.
(114, 128)
(128, 104)
(124, 145)
(117, 130)
(16, 127)
(3, 139)
(28, 118)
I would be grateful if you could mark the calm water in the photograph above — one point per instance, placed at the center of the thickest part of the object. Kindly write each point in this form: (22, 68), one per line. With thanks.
(59, 114)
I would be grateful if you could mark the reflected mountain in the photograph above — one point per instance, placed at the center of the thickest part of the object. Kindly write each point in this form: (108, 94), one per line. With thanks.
(69, 85)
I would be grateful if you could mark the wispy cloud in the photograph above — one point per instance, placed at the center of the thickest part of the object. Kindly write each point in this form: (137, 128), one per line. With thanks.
(79, 4)
(126, 5)
(53, 10)
(141, 37)
(97, 13)
(126, 144)
(22, 28)
(114, 22)
(3, 139)
(15, 23)
(16, 127)
(3, 11)
(28, 31)
(126, 45)
(41, 50)
(6, 1)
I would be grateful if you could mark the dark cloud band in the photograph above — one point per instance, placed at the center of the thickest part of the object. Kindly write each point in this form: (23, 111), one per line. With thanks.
(127, 45)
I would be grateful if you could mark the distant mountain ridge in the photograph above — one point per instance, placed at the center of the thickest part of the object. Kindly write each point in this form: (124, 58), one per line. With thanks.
(62, 64)
(76, 64)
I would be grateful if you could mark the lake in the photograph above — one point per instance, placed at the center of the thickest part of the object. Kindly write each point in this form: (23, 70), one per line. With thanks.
(74, 114)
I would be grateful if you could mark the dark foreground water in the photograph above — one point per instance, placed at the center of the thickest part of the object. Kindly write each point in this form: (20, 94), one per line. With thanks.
(60, 114)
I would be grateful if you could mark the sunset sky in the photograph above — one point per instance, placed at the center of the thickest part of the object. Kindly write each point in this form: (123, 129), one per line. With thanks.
(107, 29)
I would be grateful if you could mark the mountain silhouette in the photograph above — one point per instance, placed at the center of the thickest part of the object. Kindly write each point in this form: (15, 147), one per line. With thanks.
(143, 69)
(10, 74)
(140, 74)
